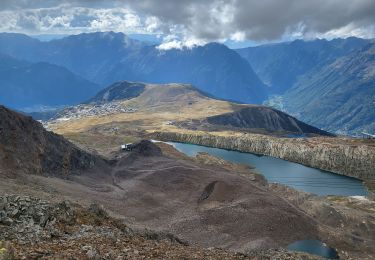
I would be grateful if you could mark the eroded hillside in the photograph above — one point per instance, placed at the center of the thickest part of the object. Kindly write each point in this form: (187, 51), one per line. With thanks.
(26, 147)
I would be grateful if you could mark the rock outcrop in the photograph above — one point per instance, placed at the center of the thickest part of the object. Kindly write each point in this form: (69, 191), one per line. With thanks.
(146, 148)
(26, 147)
(31, 228)
(119, 91)
(261, 117)
(323, 153)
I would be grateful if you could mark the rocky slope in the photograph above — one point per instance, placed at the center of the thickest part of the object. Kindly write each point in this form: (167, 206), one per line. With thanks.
(194, 202)
(44, 230)
(347, 158)
(155, 93)
(53, 227)
(206, 205)
(280, 65)
(41, 229)
(348, 222)
(26, 147)
(123, 90)
(148, 188)
(338, 97)
(260, 117)
(329, 84)
(203, 201)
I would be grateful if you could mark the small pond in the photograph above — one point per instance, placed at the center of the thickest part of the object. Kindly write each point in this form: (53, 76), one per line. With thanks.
(314, 247)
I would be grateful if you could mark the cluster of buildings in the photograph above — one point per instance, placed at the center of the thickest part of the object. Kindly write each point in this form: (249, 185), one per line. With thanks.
(90, 110)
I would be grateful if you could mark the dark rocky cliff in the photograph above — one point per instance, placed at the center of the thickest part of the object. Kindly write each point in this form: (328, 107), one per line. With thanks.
(264, 118)
(26, 147)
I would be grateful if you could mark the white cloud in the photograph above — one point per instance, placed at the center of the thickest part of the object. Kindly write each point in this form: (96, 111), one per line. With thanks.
(152, 24)
(65, 19)
(347, 31)
(194, 21)
(113, 20)
(238, 36)
(8, 21)
(172, 42)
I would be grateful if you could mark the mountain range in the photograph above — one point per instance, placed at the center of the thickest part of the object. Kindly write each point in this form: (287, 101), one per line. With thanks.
(340, 96)
(280, 65)
(201, 200)
(329, 84)
(296, 77)
(104, 58)
(26, 85)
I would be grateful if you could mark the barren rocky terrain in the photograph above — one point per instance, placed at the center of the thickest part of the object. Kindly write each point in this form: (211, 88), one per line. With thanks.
(26, 147)
(38, 229)
(252, 220)
(203, 203)
(152, 187)
(196, 202)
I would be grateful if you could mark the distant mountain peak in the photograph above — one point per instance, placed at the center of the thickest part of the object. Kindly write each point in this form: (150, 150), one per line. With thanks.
(26, 84)
(107, 57)
(107, 36)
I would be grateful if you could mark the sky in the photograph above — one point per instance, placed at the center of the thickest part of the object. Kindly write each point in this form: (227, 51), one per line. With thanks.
(177, 23)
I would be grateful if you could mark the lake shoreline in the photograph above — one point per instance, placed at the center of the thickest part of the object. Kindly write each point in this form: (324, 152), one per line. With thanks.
(275, 170)
(330, 213)
(352, 161)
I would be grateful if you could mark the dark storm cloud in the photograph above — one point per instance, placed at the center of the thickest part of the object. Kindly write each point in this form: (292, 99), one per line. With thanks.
(203, 19)
(261, 19)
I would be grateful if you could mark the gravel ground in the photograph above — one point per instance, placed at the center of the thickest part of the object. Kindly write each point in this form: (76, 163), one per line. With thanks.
(32, 228)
